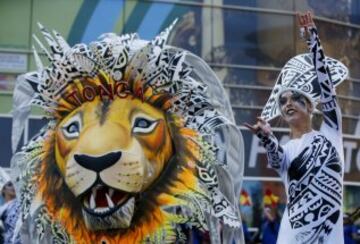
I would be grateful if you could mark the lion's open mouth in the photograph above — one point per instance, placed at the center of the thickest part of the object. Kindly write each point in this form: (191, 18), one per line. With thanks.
(104, 200)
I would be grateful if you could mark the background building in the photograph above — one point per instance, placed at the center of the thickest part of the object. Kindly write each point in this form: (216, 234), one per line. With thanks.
(246, 42)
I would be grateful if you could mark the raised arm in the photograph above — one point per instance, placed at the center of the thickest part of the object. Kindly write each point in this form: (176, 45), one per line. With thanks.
(330, 108)
(275, 152)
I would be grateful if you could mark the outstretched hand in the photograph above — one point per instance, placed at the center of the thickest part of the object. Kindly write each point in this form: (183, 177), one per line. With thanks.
(305, 21)
(261, 126)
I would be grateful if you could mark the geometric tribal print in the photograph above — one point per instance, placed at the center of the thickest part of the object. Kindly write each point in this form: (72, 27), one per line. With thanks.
(315, 191)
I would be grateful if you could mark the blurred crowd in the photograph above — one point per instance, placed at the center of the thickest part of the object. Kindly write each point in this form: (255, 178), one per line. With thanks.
(8, 210)
(267, 233)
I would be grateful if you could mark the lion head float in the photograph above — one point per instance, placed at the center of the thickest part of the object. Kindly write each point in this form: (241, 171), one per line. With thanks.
(135, 148)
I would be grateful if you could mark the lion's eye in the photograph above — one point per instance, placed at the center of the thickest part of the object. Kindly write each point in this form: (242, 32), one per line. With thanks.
(144, 125)
(72, 128)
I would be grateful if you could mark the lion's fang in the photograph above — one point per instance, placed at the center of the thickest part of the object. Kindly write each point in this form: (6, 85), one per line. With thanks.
(111, 192)
(94, 190)
(92, 201)
(109, 201)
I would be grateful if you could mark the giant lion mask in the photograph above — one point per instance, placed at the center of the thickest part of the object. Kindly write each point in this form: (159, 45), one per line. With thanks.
(134, 148)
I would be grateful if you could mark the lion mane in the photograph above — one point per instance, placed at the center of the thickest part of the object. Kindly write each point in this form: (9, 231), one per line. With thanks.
(178, 178)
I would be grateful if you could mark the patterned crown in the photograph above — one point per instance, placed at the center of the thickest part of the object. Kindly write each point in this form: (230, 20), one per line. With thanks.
(299, 74)
(128, 59)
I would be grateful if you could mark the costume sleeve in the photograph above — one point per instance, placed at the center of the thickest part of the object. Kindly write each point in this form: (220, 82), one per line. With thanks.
(274, 151)
(330, 108)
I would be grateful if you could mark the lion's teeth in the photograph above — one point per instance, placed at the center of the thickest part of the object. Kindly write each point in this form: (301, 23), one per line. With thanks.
(111, 192)
(109, 201)
(93, 191)
(92, 201)
(86, 203)
(101, 210)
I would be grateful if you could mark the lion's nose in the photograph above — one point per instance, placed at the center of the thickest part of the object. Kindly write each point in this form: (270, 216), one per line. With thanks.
(97, 164)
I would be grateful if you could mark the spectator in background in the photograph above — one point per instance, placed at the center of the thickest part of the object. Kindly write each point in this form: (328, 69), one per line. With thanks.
(245, 200)
(350, 230)
(247, 234)
(271, 225)
(9, 210)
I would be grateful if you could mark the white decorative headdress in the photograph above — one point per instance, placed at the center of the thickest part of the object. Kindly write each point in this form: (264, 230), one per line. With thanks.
(4, 178)
(299, 74)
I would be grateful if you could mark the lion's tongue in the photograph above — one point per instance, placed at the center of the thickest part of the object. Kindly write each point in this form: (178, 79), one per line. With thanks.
(106, 197)
(100, 198)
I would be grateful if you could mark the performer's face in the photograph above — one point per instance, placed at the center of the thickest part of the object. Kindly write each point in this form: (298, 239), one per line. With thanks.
(294, 107)
(8, 191)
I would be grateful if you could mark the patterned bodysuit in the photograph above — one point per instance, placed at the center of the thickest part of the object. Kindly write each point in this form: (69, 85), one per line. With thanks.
(311, 168)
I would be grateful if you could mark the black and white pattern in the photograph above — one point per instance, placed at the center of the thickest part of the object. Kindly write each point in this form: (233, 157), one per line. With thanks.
(275, 152)
(330, 108)
(124, 58)
(315, 191)
(221, 207)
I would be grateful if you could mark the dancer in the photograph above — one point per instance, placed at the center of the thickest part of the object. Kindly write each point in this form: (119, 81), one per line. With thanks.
(311, 163)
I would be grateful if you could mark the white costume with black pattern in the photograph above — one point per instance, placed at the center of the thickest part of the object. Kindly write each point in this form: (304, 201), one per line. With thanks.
(311, 168)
